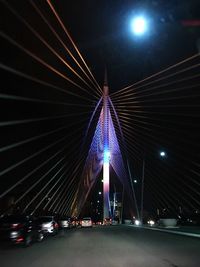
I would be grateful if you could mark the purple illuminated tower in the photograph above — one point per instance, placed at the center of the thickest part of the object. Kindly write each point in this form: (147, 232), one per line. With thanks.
(106, 151)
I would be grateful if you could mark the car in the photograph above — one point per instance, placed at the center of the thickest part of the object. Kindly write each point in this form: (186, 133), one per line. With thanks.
(151, 222)
(107, 221)
(98, 223)
(65, 223)
(189, 220)
(74, 222)
(86, 222)
(48, 225)
(20, 229)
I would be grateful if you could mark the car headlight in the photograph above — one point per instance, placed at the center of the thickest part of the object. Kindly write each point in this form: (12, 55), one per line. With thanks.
(151, 222)
(14, 234)
(137, 222)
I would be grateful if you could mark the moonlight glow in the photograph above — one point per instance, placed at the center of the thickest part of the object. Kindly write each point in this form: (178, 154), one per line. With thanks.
(139, 25)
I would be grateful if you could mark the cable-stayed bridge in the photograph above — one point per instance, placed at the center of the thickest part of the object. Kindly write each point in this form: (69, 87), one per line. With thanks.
(49, 97)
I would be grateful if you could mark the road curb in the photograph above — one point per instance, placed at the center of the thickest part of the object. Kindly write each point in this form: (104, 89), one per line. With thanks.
(168, 231)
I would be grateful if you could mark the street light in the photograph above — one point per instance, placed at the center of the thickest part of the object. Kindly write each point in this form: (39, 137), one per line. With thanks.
(162, 154)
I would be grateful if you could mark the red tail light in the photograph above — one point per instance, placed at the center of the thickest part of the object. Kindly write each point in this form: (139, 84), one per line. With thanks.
(56, 225)
(16, 226)
(20, 239)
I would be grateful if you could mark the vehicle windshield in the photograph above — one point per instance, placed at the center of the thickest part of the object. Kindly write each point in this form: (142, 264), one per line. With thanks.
(44, 219)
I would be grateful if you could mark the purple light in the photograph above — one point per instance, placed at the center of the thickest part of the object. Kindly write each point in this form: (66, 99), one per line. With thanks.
(104, 151)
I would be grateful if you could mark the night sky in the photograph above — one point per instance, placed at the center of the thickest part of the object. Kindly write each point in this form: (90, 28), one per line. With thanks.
(44, 116)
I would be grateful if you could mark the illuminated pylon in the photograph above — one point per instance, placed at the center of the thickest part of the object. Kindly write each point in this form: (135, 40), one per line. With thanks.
(106, 152)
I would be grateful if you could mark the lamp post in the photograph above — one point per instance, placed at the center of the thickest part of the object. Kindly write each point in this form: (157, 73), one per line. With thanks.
(162, 154)
(142, 191)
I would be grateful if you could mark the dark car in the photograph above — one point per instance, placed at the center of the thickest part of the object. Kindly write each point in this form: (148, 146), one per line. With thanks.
(18, 229)
(189, 219)
(48, 225)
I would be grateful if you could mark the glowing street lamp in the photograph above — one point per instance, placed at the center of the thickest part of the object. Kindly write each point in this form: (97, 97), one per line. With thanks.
(162, 154)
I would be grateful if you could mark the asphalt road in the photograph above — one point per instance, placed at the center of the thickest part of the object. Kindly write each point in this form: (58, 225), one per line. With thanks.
(109, 246)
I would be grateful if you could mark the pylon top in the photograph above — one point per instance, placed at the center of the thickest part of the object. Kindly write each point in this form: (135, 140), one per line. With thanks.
(105, 85)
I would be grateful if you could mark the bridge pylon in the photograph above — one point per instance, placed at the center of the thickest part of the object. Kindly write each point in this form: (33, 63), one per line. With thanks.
(106, 151)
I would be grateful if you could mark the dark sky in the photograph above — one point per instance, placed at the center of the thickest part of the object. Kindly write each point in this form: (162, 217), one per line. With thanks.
(101, 31)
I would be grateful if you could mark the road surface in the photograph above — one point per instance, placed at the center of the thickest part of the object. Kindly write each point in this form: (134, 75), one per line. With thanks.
(108, 246)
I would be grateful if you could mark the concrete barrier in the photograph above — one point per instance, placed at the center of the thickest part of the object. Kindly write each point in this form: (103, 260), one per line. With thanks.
(127, 221)
(168, 222)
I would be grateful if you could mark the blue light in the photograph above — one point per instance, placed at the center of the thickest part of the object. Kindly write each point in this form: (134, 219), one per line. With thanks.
(139, 25)
(106, 156)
